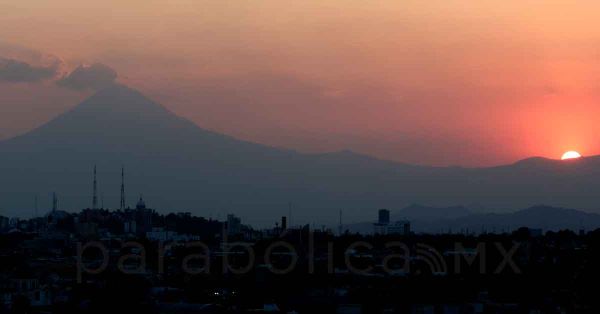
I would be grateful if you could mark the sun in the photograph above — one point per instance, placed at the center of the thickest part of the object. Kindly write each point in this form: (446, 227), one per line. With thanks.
(570, 155)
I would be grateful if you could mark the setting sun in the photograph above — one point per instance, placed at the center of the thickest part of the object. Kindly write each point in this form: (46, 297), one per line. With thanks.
(570, 155)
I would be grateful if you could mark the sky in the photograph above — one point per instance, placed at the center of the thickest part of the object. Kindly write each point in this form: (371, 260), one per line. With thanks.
(469, 83)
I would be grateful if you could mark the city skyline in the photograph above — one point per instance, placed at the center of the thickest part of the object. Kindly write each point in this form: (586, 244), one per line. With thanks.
(299, 156)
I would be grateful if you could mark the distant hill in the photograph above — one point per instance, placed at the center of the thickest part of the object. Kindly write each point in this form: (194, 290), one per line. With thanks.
(538, 217)
(426, 213)
(177, 165)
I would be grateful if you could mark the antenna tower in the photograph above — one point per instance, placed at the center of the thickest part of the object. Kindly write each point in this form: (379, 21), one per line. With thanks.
(95, 197)
(122, 205)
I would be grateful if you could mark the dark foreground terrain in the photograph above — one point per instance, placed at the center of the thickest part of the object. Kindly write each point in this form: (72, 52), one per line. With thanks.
(101, 262)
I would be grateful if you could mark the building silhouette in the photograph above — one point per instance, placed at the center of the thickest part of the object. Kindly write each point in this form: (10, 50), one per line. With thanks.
(384, 226)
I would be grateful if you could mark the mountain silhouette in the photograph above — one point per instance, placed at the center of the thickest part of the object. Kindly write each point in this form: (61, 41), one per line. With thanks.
(458, 219)
(542, 217)
(179, 166)
(425, 213)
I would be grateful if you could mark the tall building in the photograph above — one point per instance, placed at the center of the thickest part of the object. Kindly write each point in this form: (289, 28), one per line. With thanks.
(143, 217)
(122, 204)
(383, 225)
(284, 224)
(4, 223)
(340, 226)
(234, 225)
(384, 216)
(54, 202)
(95, 191)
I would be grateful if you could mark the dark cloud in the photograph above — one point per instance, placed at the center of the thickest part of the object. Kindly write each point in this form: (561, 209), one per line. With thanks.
(95, 76)
(16, 71)
(24, 54)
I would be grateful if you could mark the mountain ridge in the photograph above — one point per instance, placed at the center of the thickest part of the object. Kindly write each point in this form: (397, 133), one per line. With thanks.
(179, 166)
(546, 218)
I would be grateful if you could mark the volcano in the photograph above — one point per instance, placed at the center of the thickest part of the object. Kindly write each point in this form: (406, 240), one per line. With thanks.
(178, 166)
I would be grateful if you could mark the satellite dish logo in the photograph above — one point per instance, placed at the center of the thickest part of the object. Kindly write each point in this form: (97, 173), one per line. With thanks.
(432, 258)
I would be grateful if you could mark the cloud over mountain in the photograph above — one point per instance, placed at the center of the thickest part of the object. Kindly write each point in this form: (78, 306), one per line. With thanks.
(16, 71)
(94, 77)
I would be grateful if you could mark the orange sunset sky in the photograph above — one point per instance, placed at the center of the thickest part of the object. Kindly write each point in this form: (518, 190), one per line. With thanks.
(471, 83)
